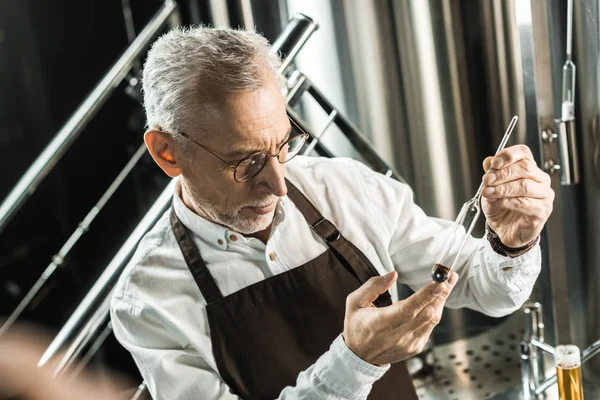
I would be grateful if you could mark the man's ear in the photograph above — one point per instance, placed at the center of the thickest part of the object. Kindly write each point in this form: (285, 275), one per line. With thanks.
(162, 147)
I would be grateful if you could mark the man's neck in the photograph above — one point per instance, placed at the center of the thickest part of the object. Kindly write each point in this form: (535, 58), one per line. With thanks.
(263, 235)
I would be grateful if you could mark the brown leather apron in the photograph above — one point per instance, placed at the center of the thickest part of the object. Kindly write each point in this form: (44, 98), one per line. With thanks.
(265, 334)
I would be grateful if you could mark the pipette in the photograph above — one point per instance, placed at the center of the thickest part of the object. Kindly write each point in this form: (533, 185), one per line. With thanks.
(467, 217)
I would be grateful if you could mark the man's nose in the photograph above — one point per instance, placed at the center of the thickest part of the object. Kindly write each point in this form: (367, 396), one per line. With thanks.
(272, 177)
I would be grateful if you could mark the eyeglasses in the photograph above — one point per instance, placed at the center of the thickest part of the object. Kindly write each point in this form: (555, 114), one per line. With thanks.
(250, 166)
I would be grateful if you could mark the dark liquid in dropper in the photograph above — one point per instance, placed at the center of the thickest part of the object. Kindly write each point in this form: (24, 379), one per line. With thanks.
(440, 273)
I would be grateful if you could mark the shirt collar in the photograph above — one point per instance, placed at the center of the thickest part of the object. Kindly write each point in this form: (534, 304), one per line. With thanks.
(215, 234)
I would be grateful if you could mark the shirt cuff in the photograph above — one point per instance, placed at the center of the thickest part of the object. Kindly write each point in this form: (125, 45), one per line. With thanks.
(347, 374)
(515, 276)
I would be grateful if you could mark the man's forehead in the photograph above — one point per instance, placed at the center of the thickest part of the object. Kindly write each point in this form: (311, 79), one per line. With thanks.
(250, 112)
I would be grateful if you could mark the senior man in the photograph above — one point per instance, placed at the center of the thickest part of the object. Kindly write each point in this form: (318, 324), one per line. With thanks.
(274, 278)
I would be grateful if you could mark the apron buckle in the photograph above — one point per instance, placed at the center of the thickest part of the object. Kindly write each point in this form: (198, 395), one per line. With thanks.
(323, 232)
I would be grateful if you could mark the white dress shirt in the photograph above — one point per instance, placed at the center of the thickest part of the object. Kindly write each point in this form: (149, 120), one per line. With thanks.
(158, 312)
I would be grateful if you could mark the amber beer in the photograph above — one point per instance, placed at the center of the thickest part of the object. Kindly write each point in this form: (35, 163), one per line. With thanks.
(568, 372)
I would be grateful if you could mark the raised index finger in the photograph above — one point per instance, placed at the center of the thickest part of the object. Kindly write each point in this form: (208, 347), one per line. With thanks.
(511, 155)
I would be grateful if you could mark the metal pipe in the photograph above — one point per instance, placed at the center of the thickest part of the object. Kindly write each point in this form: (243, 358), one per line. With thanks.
(81, 117)
(141, 392)
(92, 351)
(331, 118)
(86, 334)
(294, 36)
(547, 348)
(544, 386)
(534, 334)
(365, 148)
(83, 227)
(247, 15)
(590, 351)
(526, 372)
(130, 30)
(108, 277)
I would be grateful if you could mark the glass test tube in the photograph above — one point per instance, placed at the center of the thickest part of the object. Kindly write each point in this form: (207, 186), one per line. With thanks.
(464, 224)
(568, 72)
(568, 91)
(567, 359)
(462, 228)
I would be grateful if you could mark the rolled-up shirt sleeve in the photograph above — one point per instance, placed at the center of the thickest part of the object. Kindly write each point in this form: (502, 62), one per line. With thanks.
(488, 282)
(176, 372)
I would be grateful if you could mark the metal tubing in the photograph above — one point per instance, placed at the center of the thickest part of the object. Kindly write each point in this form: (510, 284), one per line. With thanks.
(294, 36)
(353, 134)
(82, 116)
(331, 118)
(547, 348)
(544, 386)
(110, 274)
(527, 384)
(92, 351)
(591, 351)
(83, 226)
(297, 85)
(86, 334)
(320, 149)
(141, 392)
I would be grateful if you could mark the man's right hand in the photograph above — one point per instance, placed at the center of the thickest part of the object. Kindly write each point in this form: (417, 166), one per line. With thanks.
(390, 334)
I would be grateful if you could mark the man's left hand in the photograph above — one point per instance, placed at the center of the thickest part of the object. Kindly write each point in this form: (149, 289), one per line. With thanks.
(517, 197)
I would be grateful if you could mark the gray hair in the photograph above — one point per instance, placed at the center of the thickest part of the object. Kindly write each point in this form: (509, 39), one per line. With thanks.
(186, 64)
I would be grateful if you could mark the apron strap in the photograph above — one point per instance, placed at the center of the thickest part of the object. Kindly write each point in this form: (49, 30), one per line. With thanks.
(207, 285)
(344, 250)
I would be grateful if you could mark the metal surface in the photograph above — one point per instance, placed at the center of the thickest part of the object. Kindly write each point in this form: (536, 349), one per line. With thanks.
(219, 13)
(488, 366)
(476, 368)
(503, 69)
(372, 87)
(82, 116)
(532, 21)
(247, 16)
(534, 332)
(429, 38)
(587, 55)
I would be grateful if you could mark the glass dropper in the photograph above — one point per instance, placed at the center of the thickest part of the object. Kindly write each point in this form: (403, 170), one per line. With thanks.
(463, 225)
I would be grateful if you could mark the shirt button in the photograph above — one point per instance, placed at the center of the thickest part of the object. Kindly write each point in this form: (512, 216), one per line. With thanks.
(220, 242)
(233, 238)
(272, 256)
(507, 269)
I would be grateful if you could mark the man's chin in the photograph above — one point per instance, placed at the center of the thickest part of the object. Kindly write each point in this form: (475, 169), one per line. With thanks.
(259, 223)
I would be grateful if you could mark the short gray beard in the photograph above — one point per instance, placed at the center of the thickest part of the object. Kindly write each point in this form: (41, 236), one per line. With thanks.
(231, 221)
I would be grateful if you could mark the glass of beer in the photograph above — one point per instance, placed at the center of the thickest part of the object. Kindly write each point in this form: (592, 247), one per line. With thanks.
(567, 359)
